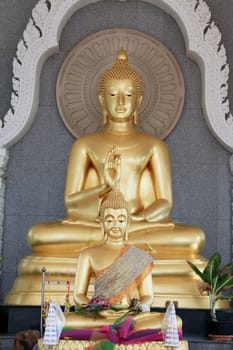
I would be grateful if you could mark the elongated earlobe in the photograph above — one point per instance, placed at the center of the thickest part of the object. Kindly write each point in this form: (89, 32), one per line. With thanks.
(135, 116)
(105, 117)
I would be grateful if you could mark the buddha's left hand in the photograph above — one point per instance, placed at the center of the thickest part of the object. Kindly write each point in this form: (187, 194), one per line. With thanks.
(137, 217)
(112, 314)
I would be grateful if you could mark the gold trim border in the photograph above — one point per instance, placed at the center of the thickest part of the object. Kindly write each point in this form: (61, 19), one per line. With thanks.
(84, 344)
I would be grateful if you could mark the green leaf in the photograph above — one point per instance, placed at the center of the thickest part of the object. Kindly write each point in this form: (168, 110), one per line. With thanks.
(226, 297)
(120, 319)
(214, 275)
(213, 268)
(224, 282)
(117, 308)
(106, 345)
(197, 271)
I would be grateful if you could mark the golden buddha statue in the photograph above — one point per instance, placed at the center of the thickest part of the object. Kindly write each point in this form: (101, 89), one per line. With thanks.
(122, 276)
(146, 185)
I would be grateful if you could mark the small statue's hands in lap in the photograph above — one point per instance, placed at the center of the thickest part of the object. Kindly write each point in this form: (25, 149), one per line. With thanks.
(116, 311)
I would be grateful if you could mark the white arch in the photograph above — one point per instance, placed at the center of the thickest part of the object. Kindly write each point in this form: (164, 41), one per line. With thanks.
(41, 39)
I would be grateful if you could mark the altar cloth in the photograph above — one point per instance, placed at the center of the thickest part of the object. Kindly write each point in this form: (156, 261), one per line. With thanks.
(67, 344)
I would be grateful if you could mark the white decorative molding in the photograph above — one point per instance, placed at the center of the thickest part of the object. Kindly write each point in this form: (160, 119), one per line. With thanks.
(41, 37)
(4, 156)
(204, 45)
(231, 164)
(231, 169)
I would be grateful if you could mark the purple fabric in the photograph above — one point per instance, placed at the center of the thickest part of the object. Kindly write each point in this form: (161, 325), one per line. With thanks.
(82, 334)
(118, 334)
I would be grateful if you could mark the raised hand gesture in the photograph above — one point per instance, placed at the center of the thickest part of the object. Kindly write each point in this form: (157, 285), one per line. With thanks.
(112, 169)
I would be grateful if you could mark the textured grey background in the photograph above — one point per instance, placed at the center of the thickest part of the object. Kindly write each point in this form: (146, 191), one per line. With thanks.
(37, 167)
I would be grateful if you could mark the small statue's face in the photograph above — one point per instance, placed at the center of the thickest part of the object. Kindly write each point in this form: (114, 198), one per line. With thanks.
(120, 100)
(115, 222)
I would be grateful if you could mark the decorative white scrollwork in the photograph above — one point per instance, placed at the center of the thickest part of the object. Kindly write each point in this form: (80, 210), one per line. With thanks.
(32, 33)
(4, 156)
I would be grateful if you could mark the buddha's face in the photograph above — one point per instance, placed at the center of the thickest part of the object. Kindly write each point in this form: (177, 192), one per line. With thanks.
(115, 223)
(120, 100)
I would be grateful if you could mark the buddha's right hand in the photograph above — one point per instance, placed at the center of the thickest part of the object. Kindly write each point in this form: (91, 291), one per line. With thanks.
(112, 169)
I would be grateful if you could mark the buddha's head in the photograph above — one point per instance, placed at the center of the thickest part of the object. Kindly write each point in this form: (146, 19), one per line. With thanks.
(114, 215)
(120, 91)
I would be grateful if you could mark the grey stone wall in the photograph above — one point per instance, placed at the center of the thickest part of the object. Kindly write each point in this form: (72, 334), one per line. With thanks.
(37, 167)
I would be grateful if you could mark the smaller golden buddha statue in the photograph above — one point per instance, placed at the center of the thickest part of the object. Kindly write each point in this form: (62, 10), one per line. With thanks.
(122, 276)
